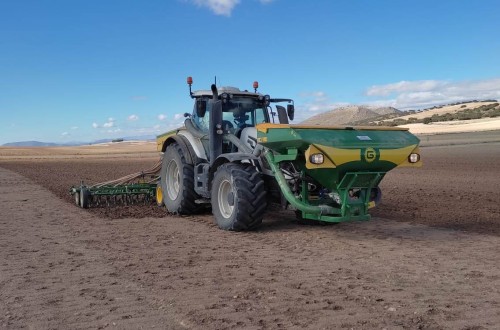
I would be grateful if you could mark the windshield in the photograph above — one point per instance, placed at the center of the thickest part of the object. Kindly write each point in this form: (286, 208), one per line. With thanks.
(237, 113)
(244, 112)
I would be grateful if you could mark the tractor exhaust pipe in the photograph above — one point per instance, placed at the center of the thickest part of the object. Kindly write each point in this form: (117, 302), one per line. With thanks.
(215, 92)
(215, 130)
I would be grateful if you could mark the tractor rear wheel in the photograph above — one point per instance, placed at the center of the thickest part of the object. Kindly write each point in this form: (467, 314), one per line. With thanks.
(238, 197)
(177, 182)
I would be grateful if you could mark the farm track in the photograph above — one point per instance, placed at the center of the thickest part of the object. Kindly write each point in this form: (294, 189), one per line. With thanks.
(138, 267)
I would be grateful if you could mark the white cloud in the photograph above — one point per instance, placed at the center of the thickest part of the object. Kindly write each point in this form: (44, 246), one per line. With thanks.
(74, 127)
(218, 7)
(64, 133)
(404, 86)
(222, 7)
(116, 130)
(133, 118)
(178, 116)
(156, 127)
(161, 117)
(108, 124)
(425, 93)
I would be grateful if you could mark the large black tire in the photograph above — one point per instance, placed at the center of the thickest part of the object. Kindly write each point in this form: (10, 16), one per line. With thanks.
(238, 197)
(177, 182)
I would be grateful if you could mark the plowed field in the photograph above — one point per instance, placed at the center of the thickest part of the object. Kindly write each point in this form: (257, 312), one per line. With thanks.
(428, 259)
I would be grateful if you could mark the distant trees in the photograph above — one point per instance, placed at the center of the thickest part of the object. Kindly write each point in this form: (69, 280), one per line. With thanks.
(484, 111)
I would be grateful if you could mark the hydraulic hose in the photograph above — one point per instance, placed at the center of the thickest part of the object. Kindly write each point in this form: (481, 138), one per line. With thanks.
(290, 197)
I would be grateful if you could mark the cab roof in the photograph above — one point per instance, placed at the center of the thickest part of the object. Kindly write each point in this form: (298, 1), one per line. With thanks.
(225, 89)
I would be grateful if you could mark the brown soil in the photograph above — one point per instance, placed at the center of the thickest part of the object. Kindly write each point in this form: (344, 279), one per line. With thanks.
(138, 267)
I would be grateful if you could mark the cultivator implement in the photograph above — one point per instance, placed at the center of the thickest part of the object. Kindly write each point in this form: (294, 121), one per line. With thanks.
(133, 189)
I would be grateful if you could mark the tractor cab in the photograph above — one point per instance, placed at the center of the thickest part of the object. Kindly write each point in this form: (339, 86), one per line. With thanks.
(241, 112)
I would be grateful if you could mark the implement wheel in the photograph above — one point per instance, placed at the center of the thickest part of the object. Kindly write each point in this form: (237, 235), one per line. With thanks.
(77, 198)
(159, 195)
(84, 198)
(177, 182)
(238, 197)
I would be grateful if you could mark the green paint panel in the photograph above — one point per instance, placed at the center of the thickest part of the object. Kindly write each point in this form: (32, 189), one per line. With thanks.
(278, 139)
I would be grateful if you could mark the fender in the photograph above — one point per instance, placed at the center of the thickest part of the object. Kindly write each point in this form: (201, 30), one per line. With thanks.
(195, 144)
(186, 147)
(231, 158)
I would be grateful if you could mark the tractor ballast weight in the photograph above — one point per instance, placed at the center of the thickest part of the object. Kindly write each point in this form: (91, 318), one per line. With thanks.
(238, 154)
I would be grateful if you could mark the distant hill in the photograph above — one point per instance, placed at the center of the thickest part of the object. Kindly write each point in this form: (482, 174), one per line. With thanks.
(353, 114)
(387, 111)
(30, 144)
(69, 144)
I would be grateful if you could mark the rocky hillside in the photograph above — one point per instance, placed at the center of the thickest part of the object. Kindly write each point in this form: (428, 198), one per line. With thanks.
(353, 114)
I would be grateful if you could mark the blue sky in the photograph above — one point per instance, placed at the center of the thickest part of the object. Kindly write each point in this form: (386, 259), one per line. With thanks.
(84, 70)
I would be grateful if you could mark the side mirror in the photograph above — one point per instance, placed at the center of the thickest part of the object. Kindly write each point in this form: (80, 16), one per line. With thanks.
(282, 114)
(290, 109)
(201, 108)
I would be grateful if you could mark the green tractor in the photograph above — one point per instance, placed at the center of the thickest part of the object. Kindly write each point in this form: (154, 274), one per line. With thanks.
(238, 153)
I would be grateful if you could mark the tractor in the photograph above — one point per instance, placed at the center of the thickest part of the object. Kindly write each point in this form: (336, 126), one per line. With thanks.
(237, 153)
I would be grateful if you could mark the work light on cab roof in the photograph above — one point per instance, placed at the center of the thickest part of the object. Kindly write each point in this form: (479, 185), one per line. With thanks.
(190, 82)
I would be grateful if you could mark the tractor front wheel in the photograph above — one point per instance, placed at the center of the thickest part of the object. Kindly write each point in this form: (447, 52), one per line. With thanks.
(238, 197)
